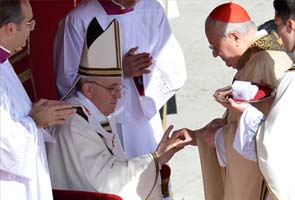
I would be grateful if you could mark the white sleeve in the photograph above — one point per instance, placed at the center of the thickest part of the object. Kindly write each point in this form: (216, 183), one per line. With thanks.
(220, 148)
(168, 70)
(18, 140)
(67, 53)
(245, 139)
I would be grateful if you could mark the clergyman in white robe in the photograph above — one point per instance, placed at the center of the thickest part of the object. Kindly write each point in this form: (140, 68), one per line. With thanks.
(24, 171)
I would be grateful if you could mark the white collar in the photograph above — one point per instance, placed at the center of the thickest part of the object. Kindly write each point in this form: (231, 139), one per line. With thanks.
(118, 4)
(95, 113)
(5, 49)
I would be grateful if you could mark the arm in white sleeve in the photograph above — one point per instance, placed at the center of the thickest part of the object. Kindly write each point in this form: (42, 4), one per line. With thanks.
(18, 140)
(67, 53)
(168, 69)
(244, 142)
(220, 148)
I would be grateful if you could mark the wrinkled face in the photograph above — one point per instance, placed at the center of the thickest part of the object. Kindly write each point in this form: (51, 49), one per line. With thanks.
(105, 93)
(127, 3)
(223, 46)
(23, 29)
(286, 32)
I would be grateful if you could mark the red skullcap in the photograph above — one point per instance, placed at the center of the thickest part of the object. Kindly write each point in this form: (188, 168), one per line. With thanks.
(230, 13)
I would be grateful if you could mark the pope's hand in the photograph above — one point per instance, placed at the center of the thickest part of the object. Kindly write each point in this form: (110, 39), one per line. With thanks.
(170, 145)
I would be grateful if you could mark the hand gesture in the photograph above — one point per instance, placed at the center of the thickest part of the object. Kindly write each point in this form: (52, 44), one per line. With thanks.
(51, 112)
(208, 132)
(135, 65)
(170, 145)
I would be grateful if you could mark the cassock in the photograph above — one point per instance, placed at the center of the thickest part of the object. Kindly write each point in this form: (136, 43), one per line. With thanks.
(147, 28)
(264, 62)
(23, 166)
(88, 156)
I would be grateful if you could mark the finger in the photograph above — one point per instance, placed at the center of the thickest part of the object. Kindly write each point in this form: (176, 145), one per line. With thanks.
(132, 51)
(141, 56)
(167, 132)
(60, 107)
(65, 113)
(41, 102)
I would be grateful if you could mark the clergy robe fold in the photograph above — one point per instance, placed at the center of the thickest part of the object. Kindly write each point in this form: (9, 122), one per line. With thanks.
(86, 157)
(23, 166)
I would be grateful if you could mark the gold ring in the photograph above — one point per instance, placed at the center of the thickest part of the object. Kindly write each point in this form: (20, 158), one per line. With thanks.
(173, 145)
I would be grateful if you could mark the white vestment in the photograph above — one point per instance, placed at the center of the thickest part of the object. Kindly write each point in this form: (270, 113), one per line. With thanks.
(86, 157)
(24, 172)
(147, 28)
(275, 138)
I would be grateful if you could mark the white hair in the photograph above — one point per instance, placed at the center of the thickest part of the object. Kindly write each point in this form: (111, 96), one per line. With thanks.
(224, 28)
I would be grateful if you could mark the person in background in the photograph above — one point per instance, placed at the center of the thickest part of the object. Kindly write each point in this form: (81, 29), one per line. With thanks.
(153, 64)
(258, 57)
(270, 138)
(24, 172)
(88, 154)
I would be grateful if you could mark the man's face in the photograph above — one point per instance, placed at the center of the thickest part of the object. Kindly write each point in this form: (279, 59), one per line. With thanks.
(286, 32)
(24, 28)
(105, 93)
(222, 46)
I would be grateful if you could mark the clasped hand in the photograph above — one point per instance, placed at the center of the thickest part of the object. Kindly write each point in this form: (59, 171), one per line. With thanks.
(135, 65)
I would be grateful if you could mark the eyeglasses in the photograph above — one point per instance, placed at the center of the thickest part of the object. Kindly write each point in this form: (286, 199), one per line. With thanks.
(113, 90)
(31, 24)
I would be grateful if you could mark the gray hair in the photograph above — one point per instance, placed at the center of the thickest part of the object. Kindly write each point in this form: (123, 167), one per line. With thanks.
(10, 11)
(83, 80)
(224, 28)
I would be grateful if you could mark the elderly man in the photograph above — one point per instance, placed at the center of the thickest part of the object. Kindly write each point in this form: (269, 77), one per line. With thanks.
(23, 166)
(88, 154)
(258, 57)
(275, 132)
(153, 63)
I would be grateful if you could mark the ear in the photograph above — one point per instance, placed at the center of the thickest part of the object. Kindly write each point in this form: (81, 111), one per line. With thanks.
(87, 90)
(291, 25)
(235, 36)
(10, 29)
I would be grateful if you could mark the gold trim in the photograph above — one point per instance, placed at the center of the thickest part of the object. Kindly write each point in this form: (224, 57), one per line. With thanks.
(26, 75)
(164, 116)
(157, 165)
(18, 56)
(118, 44)
(258, 164)
(106, 72)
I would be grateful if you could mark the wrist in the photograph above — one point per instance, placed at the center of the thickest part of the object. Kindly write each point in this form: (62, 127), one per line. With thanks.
(156, 158)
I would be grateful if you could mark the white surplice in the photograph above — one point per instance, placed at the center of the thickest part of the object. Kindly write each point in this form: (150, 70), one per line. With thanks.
(147, 28)
(87, 157)
(24, 171)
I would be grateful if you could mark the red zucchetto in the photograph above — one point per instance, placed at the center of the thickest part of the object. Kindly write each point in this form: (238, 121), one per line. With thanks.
(230, 13)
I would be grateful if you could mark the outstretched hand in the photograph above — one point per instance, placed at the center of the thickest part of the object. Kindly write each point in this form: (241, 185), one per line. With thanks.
(170, 145)
(51, 112)
(135, 65)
